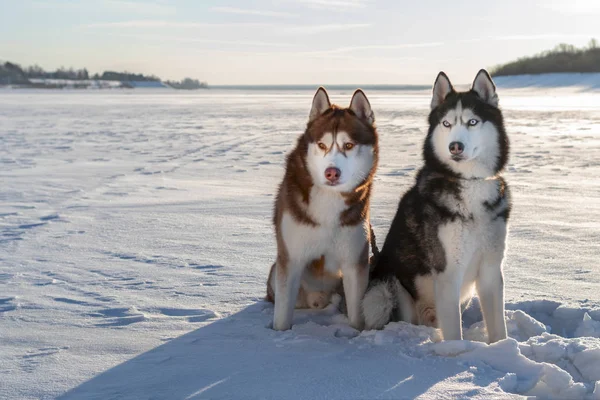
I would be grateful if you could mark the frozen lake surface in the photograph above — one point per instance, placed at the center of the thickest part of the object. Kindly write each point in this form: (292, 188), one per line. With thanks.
(136, 238)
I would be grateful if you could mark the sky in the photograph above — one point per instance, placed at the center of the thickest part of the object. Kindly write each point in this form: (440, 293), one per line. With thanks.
(291, 41)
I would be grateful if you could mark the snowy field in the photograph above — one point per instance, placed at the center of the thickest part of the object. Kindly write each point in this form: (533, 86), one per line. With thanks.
(136, 238)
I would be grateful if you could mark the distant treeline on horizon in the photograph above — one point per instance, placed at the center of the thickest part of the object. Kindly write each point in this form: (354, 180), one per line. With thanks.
(562, 58)
(35, 76)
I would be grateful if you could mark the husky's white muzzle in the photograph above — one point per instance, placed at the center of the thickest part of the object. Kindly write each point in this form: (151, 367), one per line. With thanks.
(338, 162)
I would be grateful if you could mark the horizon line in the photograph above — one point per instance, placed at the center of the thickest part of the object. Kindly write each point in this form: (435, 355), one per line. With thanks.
(338, 86)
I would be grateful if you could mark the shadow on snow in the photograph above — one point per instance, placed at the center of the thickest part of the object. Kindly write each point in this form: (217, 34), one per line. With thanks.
(241, 357)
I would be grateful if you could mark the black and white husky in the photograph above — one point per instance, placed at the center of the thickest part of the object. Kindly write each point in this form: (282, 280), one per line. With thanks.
(450, 229)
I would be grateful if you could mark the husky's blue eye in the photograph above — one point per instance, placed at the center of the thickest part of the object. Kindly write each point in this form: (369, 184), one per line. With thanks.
(473, 122)
(446, 124)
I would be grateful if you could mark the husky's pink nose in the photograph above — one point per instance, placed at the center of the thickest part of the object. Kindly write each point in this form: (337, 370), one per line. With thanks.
(456, 148)
(332, 174)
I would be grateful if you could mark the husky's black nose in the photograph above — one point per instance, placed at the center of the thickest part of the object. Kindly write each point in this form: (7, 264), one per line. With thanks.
(456, 148)
(332, 174)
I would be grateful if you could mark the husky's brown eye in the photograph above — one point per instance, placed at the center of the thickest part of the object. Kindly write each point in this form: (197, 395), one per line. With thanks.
(322, 146)
(349, 146)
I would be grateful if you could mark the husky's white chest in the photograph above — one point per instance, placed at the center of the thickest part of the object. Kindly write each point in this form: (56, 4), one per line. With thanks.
(328, 238)
(474, 194)
(325, 207)
(476, 231)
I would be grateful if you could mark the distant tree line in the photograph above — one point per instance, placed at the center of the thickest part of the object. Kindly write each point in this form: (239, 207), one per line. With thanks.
(187, 84)
(14, 74)
(562, 58)
(62, 73)
(125, 76)
(11, 73)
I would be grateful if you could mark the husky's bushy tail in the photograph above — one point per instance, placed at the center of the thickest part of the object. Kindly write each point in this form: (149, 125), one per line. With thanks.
(385, 301)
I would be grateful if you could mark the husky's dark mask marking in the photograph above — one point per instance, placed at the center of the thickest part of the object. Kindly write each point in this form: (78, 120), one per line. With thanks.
(473, 120)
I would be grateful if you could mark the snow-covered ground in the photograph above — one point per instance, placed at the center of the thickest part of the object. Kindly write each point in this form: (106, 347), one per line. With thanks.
(587, 81)
(135, 241)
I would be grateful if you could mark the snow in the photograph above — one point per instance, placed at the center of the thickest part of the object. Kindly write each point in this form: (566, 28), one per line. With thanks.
(588, 327)
(580, 81)
(136, 238)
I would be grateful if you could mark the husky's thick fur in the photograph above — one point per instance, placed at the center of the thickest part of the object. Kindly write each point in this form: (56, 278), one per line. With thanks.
(322, 211)
(450, 228)
(311, 295)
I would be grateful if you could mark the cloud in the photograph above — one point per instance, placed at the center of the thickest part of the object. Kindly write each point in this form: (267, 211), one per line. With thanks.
(147, 23)
(386, 47)
(542, 36)
(189, 39)
(315, 29)
(279, 28)
(138, 7)
(338, 5)
(349, 53)
(351, 49)
(263, 13)
(130, 7)
(577, 7)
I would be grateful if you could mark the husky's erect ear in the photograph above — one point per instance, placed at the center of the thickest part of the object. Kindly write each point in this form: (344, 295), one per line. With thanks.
(320, 104)
(441, 88)
(361, 107)
(485, 88)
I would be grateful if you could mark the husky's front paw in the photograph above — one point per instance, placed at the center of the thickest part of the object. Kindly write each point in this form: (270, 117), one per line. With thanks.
(281, 326)
(359, 325)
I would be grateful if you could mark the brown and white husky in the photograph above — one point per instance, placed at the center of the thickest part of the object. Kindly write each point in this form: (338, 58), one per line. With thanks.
(322, 211)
